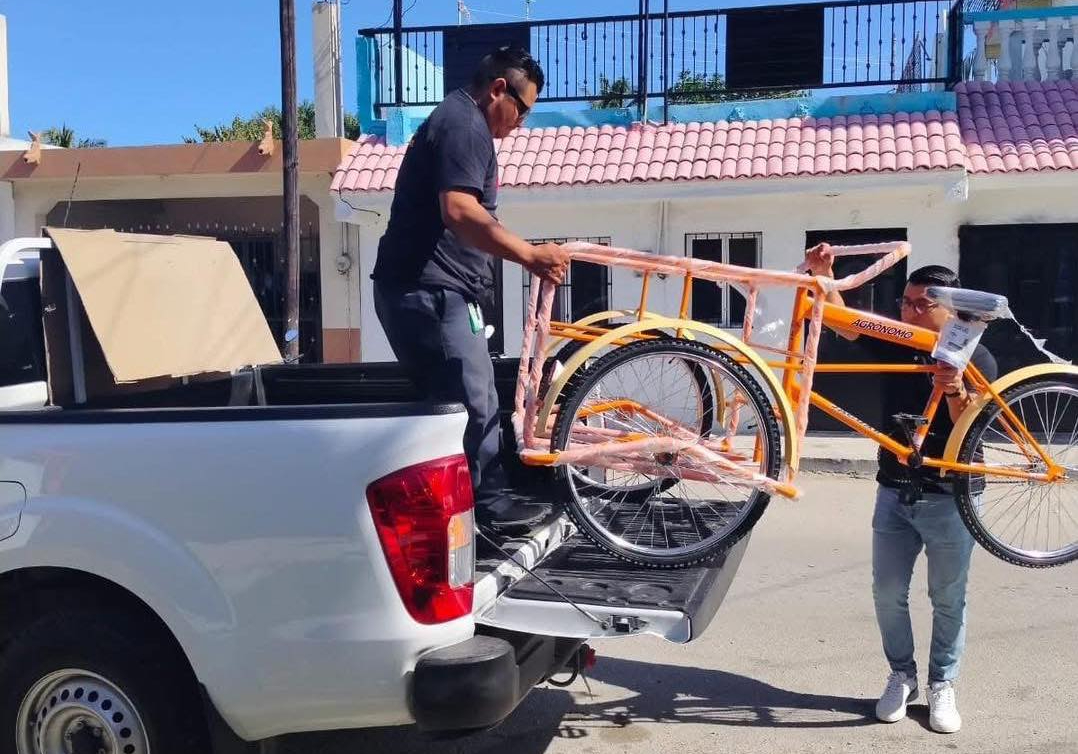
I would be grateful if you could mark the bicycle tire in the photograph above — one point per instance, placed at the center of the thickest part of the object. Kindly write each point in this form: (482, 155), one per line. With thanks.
(974, 514)
(579, 387)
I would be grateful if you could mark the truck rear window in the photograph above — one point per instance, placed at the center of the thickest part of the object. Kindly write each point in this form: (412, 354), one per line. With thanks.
(22, 342)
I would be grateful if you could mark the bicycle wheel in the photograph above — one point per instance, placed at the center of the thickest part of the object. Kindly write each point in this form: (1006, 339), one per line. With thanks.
(1028, 523)
(669, 508)
(600, 482)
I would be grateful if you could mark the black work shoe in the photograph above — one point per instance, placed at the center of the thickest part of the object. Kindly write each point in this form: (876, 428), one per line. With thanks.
(511, 517)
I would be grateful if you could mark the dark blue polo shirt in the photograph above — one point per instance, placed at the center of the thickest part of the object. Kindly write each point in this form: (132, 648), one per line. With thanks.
(453, 149)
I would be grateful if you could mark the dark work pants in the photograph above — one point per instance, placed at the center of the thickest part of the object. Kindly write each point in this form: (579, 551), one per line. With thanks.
(432, 338)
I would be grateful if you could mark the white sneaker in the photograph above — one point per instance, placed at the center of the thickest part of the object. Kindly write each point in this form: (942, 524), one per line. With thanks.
(943, 714)
(899, 692)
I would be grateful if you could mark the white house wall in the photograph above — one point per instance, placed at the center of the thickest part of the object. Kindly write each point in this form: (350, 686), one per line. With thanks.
(34, 200)
(338, 239)
(930, 206)
(634, 221)
(7, 211)
(373, 343)
(995, 200)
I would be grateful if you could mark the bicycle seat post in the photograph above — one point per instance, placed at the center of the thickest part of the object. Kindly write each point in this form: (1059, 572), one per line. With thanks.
(909, 424)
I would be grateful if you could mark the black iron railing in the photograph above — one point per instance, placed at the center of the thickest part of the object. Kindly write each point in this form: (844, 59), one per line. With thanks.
(690, 56)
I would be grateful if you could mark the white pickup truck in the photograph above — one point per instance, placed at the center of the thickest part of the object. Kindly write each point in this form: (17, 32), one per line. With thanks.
(278, 551)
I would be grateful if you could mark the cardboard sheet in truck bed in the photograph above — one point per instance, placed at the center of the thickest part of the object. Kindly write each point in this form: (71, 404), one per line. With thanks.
(146, 310)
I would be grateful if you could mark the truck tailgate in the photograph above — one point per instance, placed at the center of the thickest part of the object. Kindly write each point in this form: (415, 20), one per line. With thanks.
(572, 588)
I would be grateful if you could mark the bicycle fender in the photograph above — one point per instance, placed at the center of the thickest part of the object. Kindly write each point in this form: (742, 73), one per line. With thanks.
(591, 319)
(786, 415)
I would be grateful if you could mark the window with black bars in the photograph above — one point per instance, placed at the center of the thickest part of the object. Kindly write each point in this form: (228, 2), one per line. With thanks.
(262, 256)
(585, 290)
(720, 304)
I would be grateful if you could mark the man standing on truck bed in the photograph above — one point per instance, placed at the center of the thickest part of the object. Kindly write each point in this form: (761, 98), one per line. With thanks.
(435, 267)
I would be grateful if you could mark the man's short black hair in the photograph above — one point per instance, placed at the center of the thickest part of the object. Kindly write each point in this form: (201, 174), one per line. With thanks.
(935, 274)
(498, 63)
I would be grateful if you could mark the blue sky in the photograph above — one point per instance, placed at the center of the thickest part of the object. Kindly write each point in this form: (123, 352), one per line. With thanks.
(146, 71)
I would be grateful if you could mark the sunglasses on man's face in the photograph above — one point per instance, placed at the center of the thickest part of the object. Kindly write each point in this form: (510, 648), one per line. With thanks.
(921, 305)
(523, 108)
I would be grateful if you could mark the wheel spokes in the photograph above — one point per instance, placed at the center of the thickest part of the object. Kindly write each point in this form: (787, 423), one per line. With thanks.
(670, 501)
(1038, 520)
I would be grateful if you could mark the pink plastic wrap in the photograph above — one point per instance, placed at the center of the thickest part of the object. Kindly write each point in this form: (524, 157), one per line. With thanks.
(700, 464)
(891, 254)
(703, 459)
(532, 358)
(750, 311)
(527, 349)
(700, 269)
(808, 366)
(719, 272)
(746, 332)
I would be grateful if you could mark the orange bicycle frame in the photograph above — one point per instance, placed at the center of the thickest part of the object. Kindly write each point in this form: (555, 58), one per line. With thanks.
(866, 324)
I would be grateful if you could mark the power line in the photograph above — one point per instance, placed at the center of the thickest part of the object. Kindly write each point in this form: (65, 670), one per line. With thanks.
(495, 12)
(390, 16)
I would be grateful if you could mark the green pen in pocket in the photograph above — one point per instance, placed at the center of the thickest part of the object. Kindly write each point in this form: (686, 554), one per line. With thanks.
(475, 318)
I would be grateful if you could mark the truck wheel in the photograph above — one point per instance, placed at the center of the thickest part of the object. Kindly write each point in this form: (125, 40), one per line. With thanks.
(86, 682)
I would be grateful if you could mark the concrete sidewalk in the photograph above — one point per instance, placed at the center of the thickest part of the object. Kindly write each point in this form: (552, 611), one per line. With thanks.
(839, 454)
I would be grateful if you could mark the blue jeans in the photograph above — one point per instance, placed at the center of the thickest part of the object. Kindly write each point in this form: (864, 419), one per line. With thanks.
(899, 533)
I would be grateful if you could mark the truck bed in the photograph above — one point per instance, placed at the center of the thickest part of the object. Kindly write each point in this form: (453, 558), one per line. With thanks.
(674, 603)
(591, 584)
(565, 582)
(585, 573)
(295, 385)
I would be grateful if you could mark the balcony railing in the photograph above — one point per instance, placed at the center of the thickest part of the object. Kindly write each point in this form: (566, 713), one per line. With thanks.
(691, 56)
(1034, 44)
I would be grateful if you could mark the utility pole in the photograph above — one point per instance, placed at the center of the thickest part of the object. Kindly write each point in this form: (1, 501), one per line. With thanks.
(643, 45)
(290, 160)
(665, 73)
(398, 53)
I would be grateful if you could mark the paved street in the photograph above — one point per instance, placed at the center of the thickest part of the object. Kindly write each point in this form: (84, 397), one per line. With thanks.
(792, 662)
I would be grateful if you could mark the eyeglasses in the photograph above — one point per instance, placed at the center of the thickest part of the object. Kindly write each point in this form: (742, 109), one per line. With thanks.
(523, 108)
(921, 305)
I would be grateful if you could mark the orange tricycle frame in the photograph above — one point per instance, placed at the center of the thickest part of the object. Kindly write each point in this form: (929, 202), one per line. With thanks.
(797, 363)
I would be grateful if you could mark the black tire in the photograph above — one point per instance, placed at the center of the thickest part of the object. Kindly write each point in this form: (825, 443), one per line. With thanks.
(581, 384)
(966, 485)
(707, 423)
(130, 655)
(563, 355)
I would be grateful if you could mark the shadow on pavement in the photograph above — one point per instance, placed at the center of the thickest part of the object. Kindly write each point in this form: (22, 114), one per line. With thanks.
(657, 694)
(714, 697)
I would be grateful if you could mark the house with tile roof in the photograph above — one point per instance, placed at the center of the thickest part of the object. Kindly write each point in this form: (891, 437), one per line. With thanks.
(976, 165)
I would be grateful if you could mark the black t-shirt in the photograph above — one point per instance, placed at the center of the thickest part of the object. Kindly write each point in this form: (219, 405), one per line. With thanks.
(909, 394)
(452, 149)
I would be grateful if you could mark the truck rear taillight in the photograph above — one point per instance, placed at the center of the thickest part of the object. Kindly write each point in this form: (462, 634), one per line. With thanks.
(423, 515)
